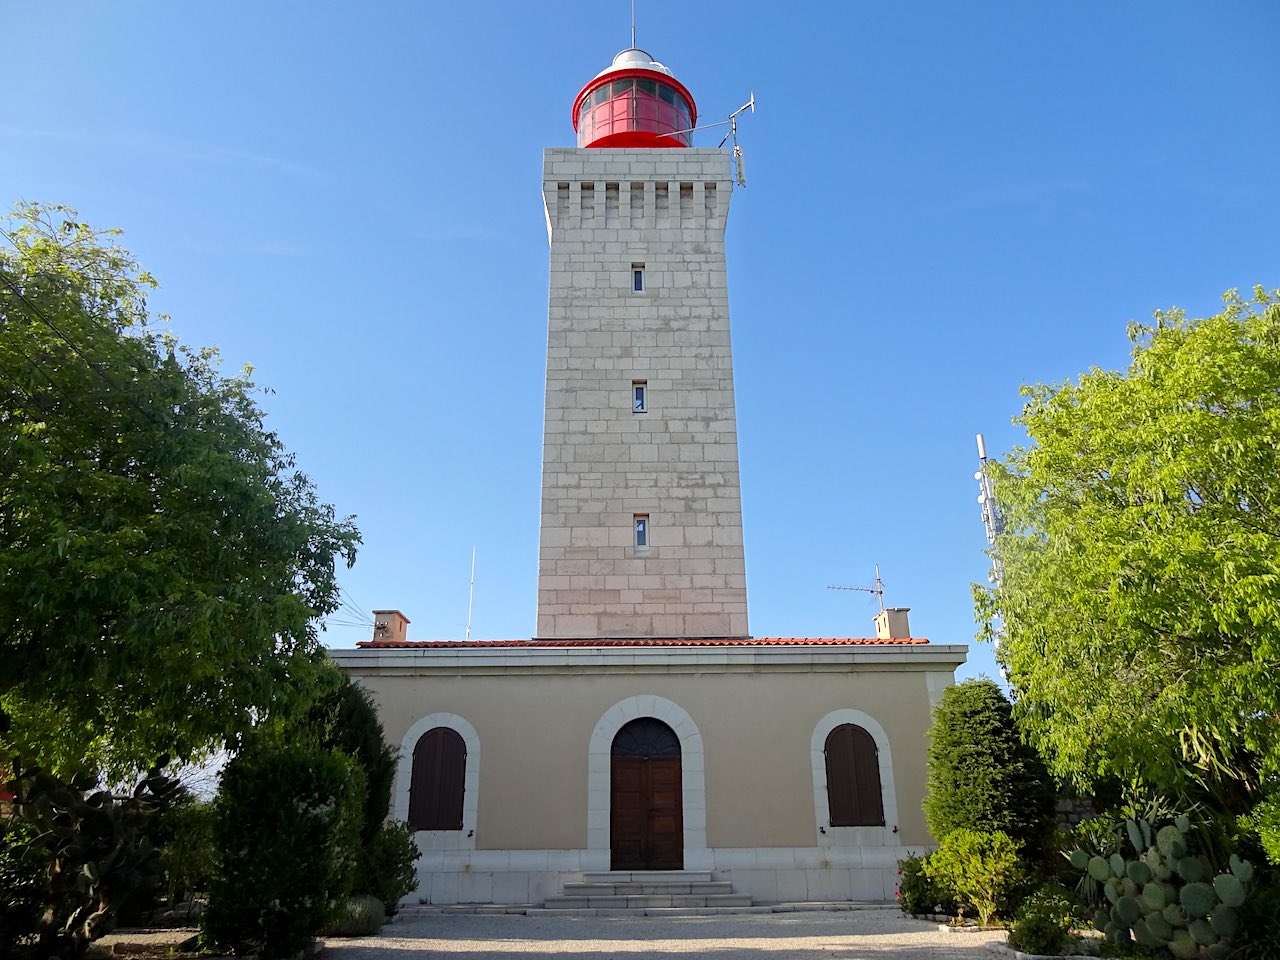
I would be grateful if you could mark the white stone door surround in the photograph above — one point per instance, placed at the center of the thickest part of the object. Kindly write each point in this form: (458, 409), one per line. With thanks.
(692, 775)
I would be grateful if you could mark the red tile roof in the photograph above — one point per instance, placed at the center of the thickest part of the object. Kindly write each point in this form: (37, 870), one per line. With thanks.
(638, 642)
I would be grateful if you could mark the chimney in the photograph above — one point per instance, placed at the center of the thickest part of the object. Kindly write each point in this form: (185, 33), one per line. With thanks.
(390, 626)
(891, 624)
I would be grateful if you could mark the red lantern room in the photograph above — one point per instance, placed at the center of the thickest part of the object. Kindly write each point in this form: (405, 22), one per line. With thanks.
(636, 102)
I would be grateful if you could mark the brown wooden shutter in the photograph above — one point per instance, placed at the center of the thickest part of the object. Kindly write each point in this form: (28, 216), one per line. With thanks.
(438, 781)
(853, 778)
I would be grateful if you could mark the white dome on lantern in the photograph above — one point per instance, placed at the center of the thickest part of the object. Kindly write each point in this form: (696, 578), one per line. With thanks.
(634, 58)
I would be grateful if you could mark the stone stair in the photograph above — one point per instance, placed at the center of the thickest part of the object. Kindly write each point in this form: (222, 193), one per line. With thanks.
(649, 891)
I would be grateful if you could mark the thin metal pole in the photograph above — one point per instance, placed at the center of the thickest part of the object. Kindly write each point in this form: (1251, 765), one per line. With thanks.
(633, 24)
(472, 592)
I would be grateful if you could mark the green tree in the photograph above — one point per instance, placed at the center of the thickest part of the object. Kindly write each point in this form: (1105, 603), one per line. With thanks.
(162, 562)
(981, 775)
(1140, 599)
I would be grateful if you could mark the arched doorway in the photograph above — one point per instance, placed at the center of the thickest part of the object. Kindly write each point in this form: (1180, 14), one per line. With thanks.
(646, 805)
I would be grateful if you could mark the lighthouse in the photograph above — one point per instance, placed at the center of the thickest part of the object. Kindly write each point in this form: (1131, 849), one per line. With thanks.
(641, 515)
(642, 748)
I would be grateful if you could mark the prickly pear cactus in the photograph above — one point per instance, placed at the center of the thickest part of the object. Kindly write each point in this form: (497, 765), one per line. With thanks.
(1166, 896)
(97, 854)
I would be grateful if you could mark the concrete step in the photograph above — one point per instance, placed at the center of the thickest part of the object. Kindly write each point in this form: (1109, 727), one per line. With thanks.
(646, 912)
(645, 887)
(646, 876)
(438, 909)
(645, 901)
(533, 909)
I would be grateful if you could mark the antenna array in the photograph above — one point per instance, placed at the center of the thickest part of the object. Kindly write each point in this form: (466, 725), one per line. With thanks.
(993, 523)
(877, 590)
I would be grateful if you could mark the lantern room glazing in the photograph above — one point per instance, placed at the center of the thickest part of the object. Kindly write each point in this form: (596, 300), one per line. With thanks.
(634, 103)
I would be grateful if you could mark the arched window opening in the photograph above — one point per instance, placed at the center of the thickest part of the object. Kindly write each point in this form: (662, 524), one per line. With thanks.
(854, 797)
(646, 737)
(436, 785)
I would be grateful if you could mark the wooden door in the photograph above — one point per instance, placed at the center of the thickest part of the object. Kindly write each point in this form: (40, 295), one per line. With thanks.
(647, 814)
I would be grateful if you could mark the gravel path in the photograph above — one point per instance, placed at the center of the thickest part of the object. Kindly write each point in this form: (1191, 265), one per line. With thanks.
(854, 935)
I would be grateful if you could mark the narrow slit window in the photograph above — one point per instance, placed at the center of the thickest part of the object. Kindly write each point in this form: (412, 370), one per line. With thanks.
(639, 396)
(637, 278)
(642, 531)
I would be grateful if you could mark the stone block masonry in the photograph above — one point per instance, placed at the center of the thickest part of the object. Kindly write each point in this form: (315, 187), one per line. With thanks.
(639, 298)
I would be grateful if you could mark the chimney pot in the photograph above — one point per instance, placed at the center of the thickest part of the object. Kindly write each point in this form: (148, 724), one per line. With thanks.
(390, 626)
(891, 624)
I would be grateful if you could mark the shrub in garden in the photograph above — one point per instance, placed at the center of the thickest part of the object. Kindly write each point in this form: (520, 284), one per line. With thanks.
(386, 869)
(22, 880)
(1044, 919)
(286, 827)
(1259, 934)
(187, 850)
(359, 917)
(981, 775)
(983, 868)
(917, 892)
(1264, 821)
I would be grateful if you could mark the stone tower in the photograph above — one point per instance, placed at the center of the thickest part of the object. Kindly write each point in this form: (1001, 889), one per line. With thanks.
(641, 530)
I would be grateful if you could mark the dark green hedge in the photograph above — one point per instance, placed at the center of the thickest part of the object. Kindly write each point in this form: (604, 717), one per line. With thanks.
(981, 775)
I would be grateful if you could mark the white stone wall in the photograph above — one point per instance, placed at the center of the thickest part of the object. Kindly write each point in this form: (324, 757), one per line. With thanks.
(604, 463)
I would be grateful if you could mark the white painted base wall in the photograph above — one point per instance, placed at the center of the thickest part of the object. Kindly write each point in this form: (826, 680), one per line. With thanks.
(769, 874)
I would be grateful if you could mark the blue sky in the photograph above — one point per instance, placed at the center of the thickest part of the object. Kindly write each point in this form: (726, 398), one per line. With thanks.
(945, 201)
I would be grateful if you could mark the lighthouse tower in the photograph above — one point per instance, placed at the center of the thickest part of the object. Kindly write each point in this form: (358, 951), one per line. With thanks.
(641, 530)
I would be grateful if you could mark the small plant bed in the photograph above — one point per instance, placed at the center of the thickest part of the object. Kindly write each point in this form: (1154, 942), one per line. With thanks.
(149, 943)
(1078, 948)
(969, 925)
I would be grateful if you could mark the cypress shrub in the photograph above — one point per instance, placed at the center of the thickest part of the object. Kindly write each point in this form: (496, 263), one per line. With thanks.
(346, 719)
(981, 775)
(286, 831)
(386, 868)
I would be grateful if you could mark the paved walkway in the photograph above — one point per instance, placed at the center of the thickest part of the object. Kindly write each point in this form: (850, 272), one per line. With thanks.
(856, 935)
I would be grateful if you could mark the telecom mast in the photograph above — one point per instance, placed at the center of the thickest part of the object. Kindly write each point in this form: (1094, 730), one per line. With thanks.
(993, 523)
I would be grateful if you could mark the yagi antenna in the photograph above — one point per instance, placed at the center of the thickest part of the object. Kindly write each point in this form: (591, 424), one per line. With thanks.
(877, 590)
(740, 172)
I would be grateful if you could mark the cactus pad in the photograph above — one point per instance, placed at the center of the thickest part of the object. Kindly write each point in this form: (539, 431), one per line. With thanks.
(1241, 869)
(1144, 936)
(1229, 889)
(1183, 946)
(1099, 869)
(1191, 869)
(1225, 921)
(1202, 932)
(1138, 872)
(1158, 925)
(1135, 835)
(1198, 899)
(1170, 843)
(1155, 895)
(1128, 911)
